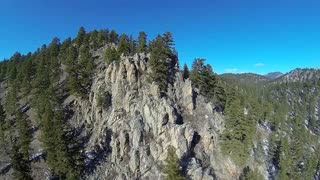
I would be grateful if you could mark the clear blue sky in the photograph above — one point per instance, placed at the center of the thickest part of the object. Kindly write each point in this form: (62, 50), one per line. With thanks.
(233, 35)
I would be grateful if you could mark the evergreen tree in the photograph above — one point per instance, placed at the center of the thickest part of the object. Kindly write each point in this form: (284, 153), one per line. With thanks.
(65, 45)
(203, 78)
(197, 68)
(124, 45)
(11, 100)
(15, 59)
(132, 45)
(21, 166)
(13, 75)
(111, 54)
(24, 134)
(54, 63)
(63, 157)
(311, 166)
(20, 145)
(42, 80)
(284, 162)
(103, 37)
(168, 44)
(172, 166)
(2, 126)
(28, 73)
(238, 136)
(81, 37)
(54, 47)
(86, 69)
(142, 42)
(159, 64)
(94, 42)
(64, 48)
(253, 174)
(72, 68)
(3, 73)
(50, 139)
(80, 70)
(100, 97)
(113, 37)
(171, 53)
(186, 72)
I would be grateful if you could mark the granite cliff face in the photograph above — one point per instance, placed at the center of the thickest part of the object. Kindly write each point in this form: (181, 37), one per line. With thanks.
(130, 133)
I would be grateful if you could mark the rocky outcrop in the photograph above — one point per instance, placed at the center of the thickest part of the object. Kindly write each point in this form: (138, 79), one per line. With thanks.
(137, 125)
(273, 75)
(300, 75)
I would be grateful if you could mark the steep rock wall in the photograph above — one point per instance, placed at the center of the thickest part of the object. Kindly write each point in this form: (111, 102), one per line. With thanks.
(137, 125)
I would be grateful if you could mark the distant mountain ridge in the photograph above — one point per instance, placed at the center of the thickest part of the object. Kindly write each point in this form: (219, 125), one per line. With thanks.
(246, 77)
(273, 75)
(296, 75)
(301, 75)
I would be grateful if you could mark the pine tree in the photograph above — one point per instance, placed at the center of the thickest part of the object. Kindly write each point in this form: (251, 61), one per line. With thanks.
(113, 37)
(24, 134)
(197, 68)
(103, 37)
(142, 42)
(28, 71)
(86, 69)
(64, 155)
(80, 70)
(11, 100)
(159, 64)
(20, 146)
(54, 63)
(65, 45)
(100, 98)
(72, 70)
(3, 69)
(21, 166)
(42, 79)
(124, 46)
(186, 72)
(13, 75)
(203, 78)
(94, 42)
(132, 45)
(238, 135)
(171, 53)
(111, 54)
(284, 162)
(2, 126)
(168, 44)
(64, 48)
(172, 166)
(81, 37)
(52, 140)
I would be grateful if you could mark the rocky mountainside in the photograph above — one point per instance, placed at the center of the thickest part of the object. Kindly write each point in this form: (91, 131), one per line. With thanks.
(300, 75)
(139, 125)
(128, 136)
(273, 75)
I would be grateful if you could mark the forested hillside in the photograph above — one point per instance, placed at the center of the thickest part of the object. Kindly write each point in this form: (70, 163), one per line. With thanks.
(285, 113)
(108, 106)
